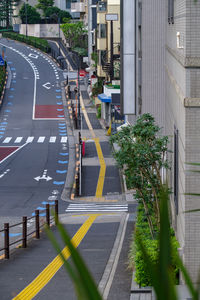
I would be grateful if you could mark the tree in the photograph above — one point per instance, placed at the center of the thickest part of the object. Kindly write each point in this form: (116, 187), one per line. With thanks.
(33, 17)
(44, 4)
(74, 34)
(6, 12)
(55, 13)
(142, 157)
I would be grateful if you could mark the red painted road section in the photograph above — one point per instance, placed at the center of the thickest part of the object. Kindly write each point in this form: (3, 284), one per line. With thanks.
(48, 112)
(5, 151)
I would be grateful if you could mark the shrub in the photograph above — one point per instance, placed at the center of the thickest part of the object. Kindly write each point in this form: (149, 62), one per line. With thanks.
(30, 40)
(99, 111)
(136, 257)
(2, 78)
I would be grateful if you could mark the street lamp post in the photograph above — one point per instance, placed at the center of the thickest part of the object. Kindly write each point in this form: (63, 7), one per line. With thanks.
(26, 17)
(59, 34)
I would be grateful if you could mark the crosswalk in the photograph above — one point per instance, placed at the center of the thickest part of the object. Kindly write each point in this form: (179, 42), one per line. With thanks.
(31, 139)
(78, 207)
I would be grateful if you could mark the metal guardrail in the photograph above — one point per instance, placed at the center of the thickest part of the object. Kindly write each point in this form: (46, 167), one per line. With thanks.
(25, 234)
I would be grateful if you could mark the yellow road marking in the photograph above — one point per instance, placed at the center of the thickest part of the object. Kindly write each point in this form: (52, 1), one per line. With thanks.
(100, 184)
(86, 117)
(47, 274)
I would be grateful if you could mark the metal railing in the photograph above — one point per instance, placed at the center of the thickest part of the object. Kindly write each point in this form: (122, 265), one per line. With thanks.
(25, 233)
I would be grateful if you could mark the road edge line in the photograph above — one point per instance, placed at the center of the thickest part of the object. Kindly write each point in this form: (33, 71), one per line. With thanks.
(109, 272)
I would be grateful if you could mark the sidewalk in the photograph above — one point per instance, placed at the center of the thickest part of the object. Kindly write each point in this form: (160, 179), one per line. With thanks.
(101, 181)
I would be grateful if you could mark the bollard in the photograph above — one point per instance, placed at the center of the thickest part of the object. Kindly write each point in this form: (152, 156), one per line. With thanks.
(47, 215)
(56, 212)
(37, 224)
(6, 240)
(24, 232)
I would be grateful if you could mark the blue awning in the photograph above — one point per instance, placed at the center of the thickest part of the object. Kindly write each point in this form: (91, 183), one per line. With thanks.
(104, 98)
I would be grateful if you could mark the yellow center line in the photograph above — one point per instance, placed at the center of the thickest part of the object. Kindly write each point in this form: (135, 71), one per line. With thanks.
(102, 173)
(100, 184)
(47, 274)
(86, 117)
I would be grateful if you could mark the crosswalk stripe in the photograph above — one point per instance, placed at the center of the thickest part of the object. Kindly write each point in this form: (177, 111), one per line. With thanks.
(64, 139)
(30, 139)
(41, 139)
(52, 139)
(97, 207)
(18, 139)
(7, 140)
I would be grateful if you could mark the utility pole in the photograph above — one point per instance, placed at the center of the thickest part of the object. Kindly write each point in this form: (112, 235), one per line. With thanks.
(78, 96)
(59, 33)
(111, 52)
(26, 17)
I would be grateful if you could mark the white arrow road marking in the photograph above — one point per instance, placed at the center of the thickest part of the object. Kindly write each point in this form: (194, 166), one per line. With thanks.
(46, 85)
(44, 176)
(4, 173)
(55, 192)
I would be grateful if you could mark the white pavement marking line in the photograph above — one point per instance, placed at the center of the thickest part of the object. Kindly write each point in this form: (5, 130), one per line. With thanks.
(7, 140)
(30, 139)
(12, 153)
(45, 85)
(41, 139)
(97, 207)
(4, 173)
(33, 55)
(18, 139)
(52, 139)
(43, 177)
(64, 139)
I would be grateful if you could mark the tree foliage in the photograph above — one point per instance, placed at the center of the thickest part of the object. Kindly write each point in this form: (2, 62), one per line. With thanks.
(54, 13)
(142, 157)
(74, 34)
(33, 17)
(44, 5)
(6, 12)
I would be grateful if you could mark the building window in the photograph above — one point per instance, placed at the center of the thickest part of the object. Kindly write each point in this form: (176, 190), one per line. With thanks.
(176, 169)
(101, 6)
(171, 11)
(101, 29)
(68, 4)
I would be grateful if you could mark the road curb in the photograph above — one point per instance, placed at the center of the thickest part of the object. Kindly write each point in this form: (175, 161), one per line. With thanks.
(71, 144)
(109, 272)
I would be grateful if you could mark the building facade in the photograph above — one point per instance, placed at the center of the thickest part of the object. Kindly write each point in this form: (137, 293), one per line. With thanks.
(167, 85)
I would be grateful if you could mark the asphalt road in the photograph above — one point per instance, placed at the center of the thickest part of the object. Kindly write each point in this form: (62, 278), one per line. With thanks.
(33, 169)
(33, 133)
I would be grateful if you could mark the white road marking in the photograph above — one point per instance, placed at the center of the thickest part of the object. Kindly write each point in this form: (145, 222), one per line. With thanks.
(97, 207)
(52, 139)
(30, 139)
(64, 139)
(18, 139)
(46, 85)
(7, 140)
(41, 139)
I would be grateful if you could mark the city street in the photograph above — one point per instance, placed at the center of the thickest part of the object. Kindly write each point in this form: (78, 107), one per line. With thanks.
(34, 159)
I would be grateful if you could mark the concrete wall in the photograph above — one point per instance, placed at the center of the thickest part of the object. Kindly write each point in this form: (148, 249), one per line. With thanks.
(41, 30)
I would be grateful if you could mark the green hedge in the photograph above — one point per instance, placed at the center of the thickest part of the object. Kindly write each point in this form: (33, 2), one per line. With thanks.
(2, 78)
(30, 40)
(136, 259)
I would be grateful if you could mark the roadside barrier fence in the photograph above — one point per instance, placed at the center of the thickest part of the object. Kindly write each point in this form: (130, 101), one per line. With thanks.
(30, 227)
